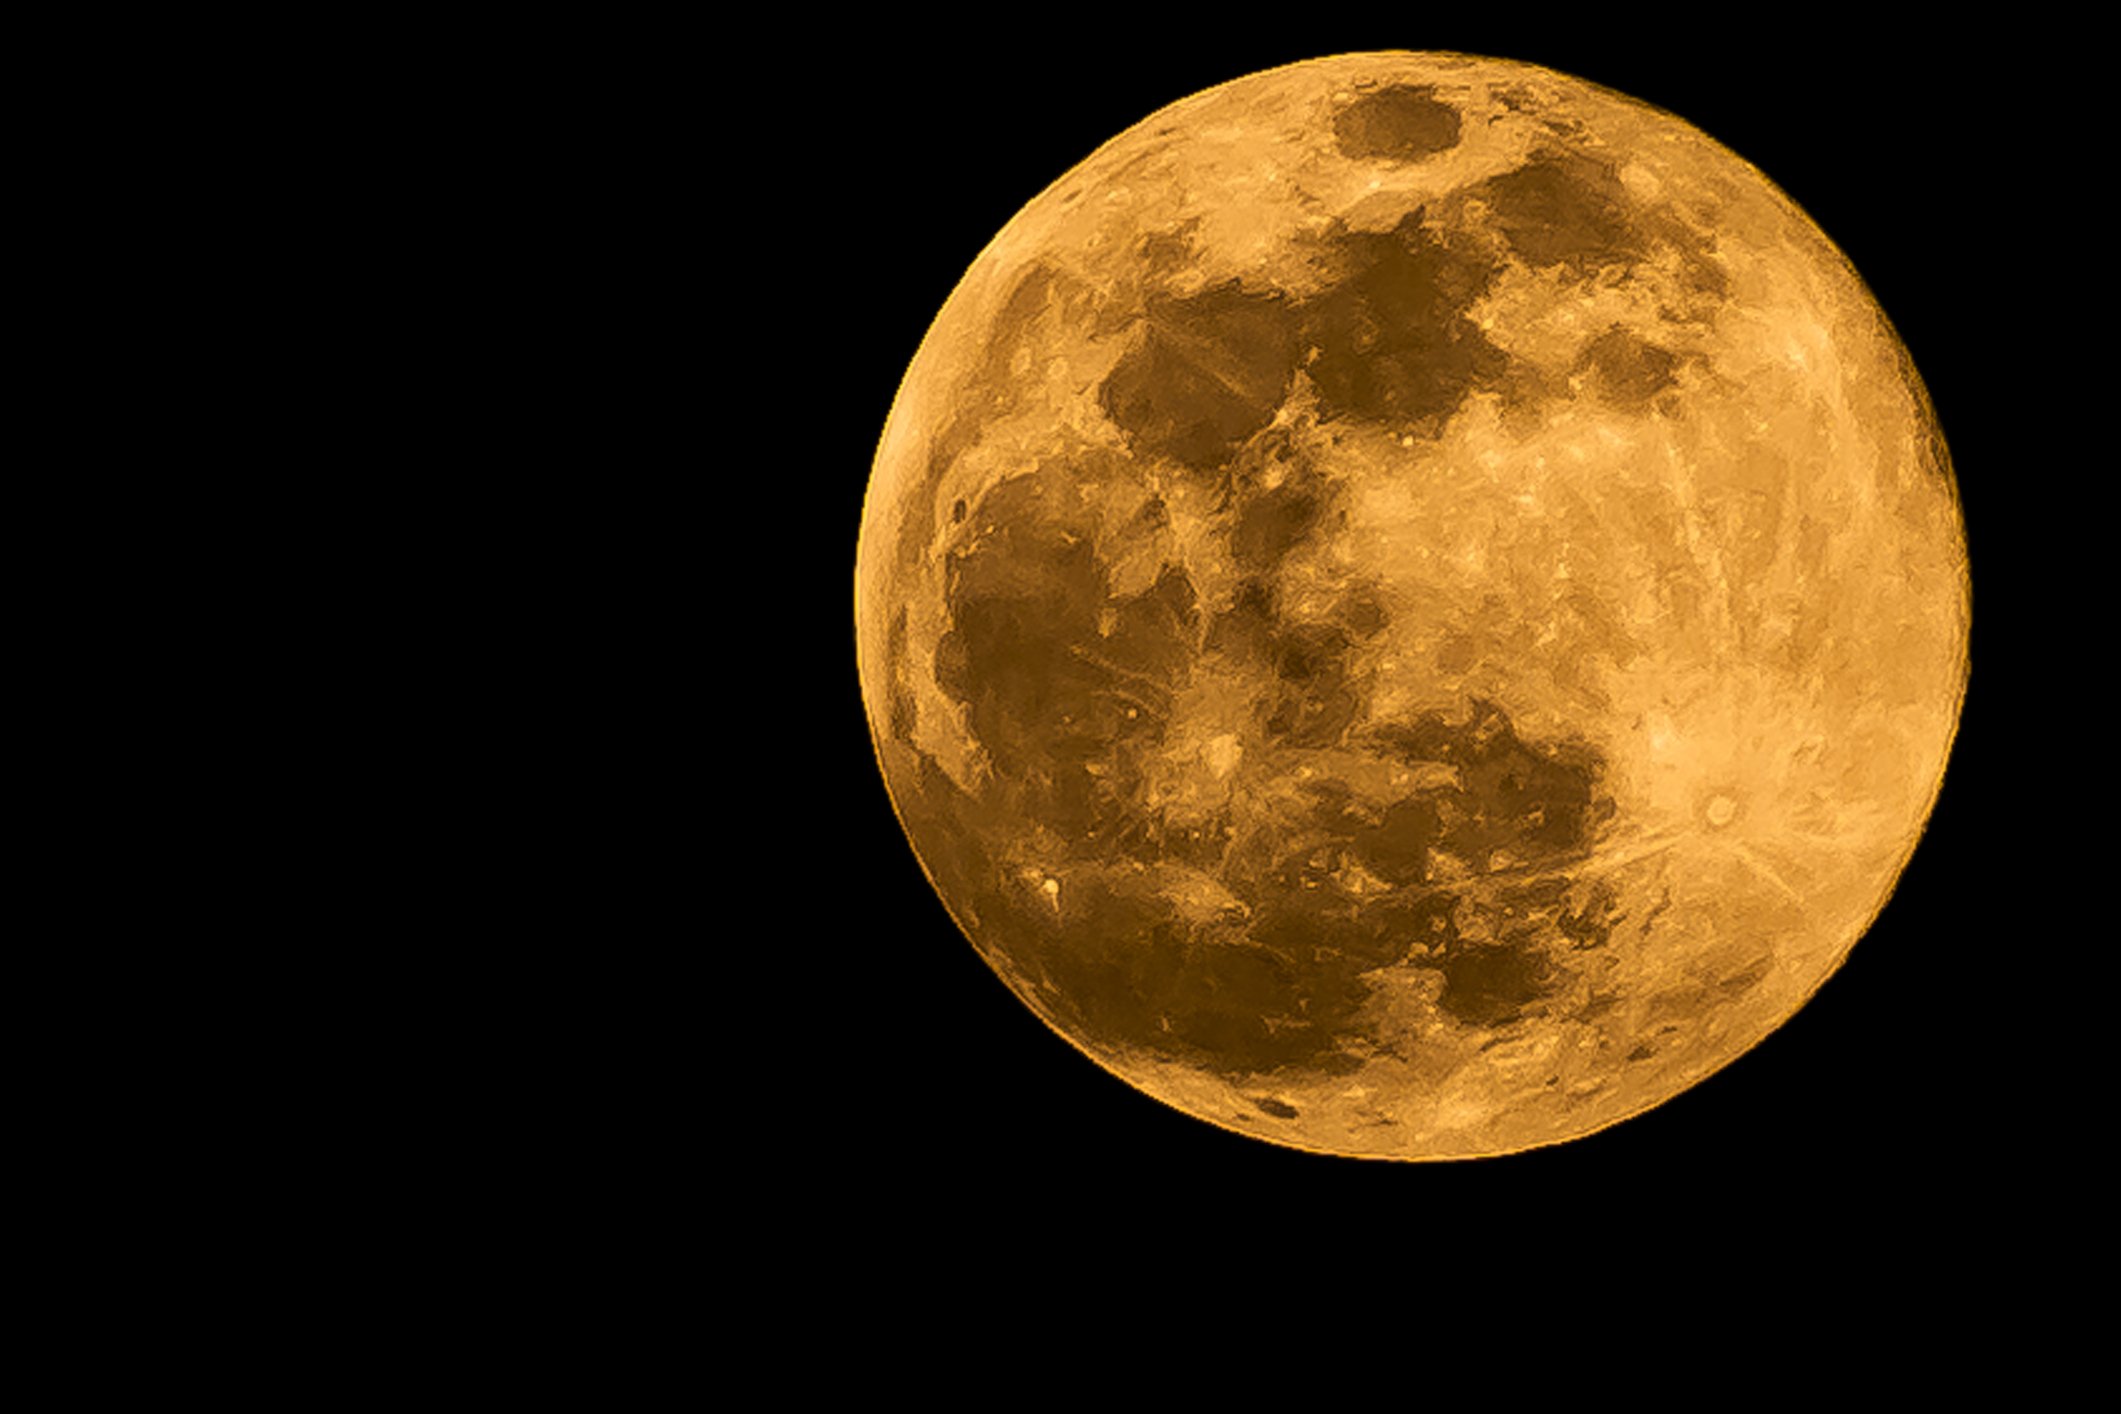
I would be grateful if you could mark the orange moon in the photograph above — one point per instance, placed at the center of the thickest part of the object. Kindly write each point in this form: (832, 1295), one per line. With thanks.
(1412, 606)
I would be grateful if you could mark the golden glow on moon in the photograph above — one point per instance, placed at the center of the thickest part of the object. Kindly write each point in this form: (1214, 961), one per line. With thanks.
(1412, 606)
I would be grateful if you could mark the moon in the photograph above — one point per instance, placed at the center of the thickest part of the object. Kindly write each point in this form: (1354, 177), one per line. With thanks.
(1412, 606)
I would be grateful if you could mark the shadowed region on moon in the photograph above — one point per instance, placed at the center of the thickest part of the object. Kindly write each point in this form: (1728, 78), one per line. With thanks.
(1373, 640)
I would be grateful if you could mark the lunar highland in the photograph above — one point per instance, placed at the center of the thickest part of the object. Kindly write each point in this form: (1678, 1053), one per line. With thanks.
(1412, 606)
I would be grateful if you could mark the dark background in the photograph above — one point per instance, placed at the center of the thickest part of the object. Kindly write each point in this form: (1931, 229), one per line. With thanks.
(949, 1108)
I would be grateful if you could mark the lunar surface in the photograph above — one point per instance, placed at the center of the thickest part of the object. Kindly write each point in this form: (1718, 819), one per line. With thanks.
(1412, 606)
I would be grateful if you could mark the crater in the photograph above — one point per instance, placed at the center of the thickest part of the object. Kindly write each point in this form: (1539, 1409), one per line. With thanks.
(1403, 123)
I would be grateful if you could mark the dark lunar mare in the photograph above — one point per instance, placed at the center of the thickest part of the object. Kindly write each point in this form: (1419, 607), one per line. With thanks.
(1069, 688)
(1398, 123)
(1389, 340)
(1394, 342)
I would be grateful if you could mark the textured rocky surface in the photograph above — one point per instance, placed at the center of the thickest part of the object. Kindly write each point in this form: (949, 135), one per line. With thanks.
(1412, 606)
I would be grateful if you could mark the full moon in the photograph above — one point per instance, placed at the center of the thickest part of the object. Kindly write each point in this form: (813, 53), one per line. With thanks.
(1412, 606)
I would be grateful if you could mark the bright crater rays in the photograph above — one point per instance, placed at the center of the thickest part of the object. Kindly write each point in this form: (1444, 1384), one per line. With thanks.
(1412, 606)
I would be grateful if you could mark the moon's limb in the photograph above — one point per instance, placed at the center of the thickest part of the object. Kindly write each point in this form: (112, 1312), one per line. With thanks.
(1412, 606)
